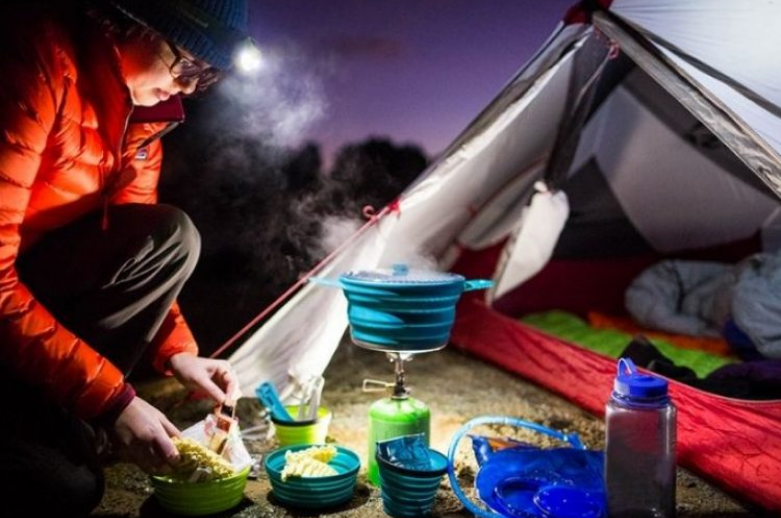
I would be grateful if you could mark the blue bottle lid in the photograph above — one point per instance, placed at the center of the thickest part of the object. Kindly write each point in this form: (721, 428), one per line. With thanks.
(633, 385)
(568, 502)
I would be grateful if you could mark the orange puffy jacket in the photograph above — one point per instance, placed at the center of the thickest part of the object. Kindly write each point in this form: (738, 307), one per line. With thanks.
(67, 146)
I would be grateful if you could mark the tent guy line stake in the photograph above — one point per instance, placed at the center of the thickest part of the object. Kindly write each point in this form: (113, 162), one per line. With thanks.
(373, 219)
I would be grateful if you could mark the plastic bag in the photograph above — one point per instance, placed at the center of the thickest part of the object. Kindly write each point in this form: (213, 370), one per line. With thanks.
(408, 451)
(234, 451)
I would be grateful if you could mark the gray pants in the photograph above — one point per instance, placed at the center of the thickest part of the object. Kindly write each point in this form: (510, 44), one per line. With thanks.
(112, 288)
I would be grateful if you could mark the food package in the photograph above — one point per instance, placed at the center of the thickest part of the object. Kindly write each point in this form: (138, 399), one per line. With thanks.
(199, 463)
(218, 427)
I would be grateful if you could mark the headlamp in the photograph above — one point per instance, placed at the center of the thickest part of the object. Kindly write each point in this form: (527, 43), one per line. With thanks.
(247, 58)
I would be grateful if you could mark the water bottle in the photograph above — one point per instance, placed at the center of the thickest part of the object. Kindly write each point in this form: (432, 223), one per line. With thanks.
(640, 446)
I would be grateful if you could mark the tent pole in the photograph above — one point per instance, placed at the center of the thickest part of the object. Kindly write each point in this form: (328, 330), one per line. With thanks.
(752, 149)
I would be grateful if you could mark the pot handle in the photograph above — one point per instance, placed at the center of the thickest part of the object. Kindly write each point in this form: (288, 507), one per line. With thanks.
(478, 284)
(331, 283)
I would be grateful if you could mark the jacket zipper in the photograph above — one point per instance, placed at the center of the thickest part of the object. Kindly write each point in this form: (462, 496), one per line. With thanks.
(105, 191)
(160, 134)
(104, 220)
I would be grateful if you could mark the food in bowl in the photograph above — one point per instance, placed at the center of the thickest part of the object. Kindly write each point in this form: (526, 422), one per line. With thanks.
(310, 462)
(313, 493)
(197, 463)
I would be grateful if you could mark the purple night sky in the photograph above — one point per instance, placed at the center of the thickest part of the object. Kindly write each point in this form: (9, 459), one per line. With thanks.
(416, 71)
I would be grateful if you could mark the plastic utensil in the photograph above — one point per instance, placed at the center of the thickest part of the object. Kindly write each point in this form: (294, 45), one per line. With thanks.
(268, 395)
(310, 392)
(315, 397)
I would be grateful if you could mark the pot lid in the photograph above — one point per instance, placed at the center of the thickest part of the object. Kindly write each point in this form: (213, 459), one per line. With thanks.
(402, 274)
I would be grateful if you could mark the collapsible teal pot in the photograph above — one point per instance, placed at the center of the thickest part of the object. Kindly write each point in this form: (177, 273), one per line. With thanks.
(402, 310)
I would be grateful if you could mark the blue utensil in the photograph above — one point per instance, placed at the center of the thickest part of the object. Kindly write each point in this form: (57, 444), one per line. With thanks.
(268, 395)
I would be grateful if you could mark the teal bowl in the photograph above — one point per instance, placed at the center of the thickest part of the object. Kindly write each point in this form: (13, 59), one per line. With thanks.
(408, 493)
(314, 492)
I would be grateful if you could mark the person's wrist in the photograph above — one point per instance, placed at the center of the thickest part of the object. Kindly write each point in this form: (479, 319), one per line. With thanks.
(117, 406)
(171, 363)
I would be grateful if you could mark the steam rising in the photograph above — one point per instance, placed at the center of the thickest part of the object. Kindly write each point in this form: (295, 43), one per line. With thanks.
(266, 209)
(279, 103)
(336, 231)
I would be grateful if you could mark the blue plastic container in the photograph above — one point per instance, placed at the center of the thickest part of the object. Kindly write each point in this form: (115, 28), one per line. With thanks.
(531, 482)
(314, 492)
(399, 309)
(406, 492)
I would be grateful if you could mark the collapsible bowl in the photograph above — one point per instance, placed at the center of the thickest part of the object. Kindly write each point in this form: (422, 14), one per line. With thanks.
(302, 432)
(200, 498)
(314, 492)
(402, 310)
(407, 492)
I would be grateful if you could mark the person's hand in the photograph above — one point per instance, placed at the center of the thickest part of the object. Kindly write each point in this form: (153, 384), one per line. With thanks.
(143, 434)
(214, 377)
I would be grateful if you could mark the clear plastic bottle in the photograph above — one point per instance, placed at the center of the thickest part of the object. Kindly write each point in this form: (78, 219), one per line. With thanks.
(640, 446)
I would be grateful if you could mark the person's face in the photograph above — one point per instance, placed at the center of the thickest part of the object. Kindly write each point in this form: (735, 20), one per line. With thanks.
(155, 70)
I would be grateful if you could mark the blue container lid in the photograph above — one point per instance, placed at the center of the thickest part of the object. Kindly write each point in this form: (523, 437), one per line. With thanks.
(568, 502)
(400, 273)
(633, 385)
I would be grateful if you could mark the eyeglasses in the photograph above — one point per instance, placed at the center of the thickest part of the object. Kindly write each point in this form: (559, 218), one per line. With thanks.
(185, 71)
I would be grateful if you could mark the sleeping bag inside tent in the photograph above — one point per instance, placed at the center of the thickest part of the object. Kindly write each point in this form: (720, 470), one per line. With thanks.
(653, 184)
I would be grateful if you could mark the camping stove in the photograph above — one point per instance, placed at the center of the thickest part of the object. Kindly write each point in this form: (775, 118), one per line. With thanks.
(396, 415)
(401, 312)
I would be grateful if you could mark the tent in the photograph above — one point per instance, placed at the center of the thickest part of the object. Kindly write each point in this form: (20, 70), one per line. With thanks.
(660, 121)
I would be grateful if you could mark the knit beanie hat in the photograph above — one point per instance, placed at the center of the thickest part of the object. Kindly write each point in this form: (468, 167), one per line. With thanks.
(210, 30)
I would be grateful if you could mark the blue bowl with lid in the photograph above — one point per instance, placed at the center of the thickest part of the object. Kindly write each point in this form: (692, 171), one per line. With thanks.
(402, 309)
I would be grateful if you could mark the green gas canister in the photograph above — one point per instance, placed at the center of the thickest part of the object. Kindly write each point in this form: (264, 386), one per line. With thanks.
(391, 417)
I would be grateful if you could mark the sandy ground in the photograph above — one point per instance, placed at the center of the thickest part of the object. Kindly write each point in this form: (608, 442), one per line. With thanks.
(456, 387)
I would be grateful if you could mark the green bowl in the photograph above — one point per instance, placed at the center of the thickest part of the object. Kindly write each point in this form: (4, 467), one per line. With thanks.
(200, 498)
(303, 432)
(314, 492)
